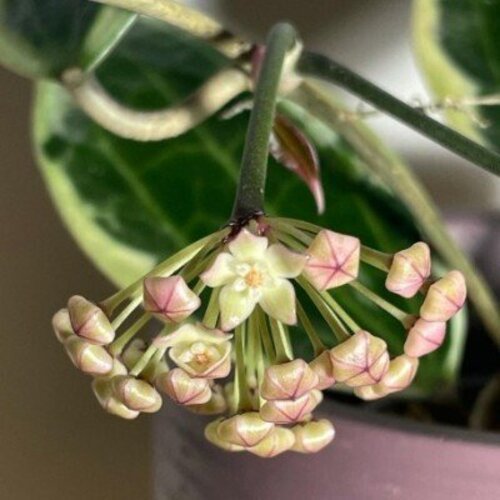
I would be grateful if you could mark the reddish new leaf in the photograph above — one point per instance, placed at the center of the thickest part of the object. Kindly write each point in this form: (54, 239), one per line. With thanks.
(292, 148)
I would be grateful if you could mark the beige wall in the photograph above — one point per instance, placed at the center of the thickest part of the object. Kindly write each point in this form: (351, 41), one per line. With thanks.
(55, 443)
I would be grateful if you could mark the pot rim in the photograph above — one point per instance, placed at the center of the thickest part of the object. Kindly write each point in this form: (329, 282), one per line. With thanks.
(367, 416)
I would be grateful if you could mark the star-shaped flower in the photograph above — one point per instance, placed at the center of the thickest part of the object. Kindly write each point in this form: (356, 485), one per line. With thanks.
(252, 273)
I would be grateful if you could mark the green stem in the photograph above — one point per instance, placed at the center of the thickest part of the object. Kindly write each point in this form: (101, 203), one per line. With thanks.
(143, 361)
(119, 344)
(404, 318)
(338, 329)
(244, 401)
(374, 258)
(250, 195)
(316, 342)
(319, 66)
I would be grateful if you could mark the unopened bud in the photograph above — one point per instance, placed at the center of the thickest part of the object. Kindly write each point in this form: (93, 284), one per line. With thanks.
(445, 298)
(409, 270)
(360, 360)
(333, 260)
(183, 389)
(91, 359)
(212, 435)
(62, 325)
(313, 436)
(288, 381)
(169, 299)
(247, 429)
(89, 321)
(276, 442)
(215, 406)
(104, 394)
(289, 411)
(424, 337)
(136, 394)
(402, 371)
(322, 366)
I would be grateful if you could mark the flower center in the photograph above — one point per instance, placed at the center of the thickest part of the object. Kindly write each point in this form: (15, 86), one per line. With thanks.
(254, 278)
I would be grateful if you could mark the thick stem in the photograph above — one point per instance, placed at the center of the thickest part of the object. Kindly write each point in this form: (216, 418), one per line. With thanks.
(250, 195)
(320, 66)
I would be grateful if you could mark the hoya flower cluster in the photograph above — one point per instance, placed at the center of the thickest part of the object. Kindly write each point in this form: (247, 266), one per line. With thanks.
(229, 315)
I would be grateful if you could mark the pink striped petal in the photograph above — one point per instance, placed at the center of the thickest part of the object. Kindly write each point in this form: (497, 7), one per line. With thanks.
(409, 270)
(424, 337)
(288, 411)
(445, 298)
(170, 299)
(361, 360)
(333, 260)
(288, 381)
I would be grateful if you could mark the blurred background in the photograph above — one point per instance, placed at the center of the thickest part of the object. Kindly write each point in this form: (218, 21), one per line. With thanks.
(56, 442)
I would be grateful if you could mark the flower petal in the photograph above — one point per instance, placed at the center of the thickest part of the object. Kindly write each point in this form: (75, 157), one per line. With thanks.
(220, 272)
(334, 260)
(424, 337)
(283, 262)
(247, 246)
(235, 307)
(445, 298)
(409, 270)
(169, 299)
(278, 300)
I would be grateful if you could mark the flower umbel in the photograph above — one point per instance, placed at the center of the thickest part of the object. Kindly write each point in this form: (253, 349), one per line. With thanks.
(235, 358)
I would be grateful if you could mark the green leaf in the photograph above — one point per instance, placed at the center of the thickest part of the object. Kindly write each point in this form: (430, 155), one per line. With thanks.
(130, 204)
(41, 38)
(457, 43)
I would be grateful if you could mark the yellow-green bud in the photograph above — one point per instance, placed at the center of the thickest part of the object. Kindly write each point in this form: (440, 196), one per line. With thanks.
(91, 359)
(136, 394)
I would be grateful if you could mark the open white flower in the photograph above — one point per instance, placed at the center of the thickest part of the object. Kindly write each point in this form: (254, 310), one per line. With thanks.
(252, 273)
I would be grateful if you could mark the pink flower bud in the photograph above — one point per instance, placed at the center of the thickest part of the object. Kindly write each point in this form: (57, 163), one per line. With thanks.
(104, 394)
(212, 435)
(333, 260)
(276, 442)
(247, 429)
(361, 360)
(183, 389)
(288, 380)
(289, 411)
(62, 325)
(91, 359)
(136, 394)
(169, 299)
(89, 321)
(402, 371)
(215, 406)
(424, 337)
(370, 392)
(313, 436)
(409, 270)
(323, 367)
(445, 298)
